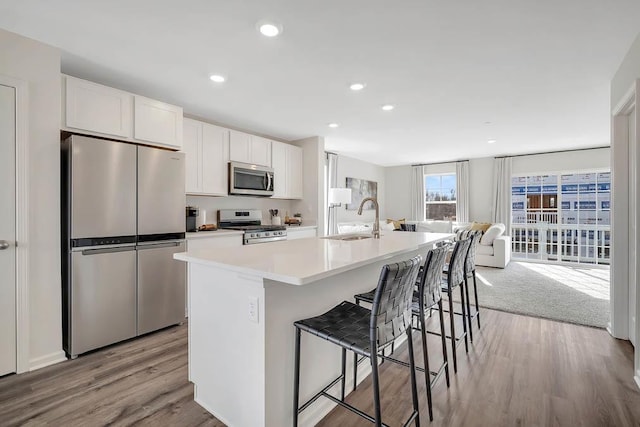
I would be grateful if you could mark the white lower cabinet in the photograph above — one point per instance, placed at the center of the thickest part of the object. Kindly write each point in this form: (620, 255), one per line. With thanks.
(207, 151)
(294, 233)
(286, 160)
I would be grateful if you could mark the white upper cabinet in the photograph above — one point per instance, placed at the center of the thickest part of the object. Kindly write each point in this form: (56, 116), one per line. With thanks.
(157, 122)
(207, 151)
(286, 161)
(93, 109)
(192, 147)
(215, 160)
(247, 148)
(96, 108)
(239, 146)
(260, 151)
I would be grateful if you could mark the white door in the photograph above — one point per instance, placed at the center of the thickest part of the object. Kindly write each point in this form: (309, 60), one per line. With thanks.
(633, 226)
(7, 230)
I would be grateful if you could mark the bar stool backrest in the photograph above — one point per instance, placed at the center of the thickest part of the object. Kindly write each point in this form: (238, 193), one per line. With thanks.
(470, 262)
(431, 279)
(391, 309)
(455, 275)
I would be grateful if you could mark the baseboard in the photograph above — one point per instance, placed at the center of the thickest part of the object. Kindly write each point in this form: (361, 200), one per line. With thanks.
(206, 407)
(47, 360)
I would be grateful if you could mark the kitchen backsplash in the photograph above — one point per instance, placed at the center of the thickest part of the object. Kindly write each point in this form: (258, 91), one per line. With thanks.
(210, 206)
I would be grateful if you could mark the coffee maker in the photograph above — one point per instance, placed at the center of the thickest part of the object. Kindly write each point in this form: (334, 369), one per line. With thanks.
(192, 213)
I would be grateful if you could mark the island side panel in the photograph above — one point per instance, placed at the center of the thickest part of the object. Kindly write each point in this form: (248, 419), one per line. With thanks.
(226, 348)
(320, 360)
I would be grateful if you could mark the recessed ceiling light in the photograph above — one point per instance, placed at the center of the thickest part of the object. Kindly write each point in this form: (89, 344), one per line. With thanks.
(388, 107)
(269, 29)
(333, 125)
(357, 86)
(491, 141)
(217, 78)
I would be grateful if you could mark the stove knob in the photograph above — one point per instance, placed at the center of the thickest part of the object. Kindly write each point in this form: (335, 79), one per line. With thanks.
(267, 234)
(253, 235)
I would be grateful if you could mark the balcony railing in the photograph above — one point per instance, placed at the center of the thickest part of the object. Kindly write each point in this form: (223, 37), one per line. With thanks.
(542, 238)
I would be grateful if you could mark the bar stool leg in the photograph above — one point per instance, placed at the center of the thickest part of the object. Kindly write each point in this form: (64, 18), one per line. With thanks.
(344, 370)
(468, 317)
(464, 317)
(453, 330)
(355, 371)
(296, 380)
(443, 337)
(376, 386)
(475, 291)
(427, 371)
(412, 368)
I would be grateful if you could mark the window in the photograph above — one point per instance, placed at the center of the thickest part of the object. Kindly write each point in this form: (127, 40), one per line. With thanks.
(440, 196)
(562, 217)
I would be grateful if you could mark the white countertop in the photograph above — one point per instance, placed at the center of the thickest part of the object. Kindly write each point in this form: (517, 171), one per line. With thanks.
(217, 233)
(303, 261)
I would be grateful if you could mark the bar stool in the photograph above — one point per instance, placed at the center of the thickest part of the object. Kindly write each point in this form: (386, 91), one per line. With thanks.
(428, 296)
(470, 272)
(366, 332)
(455, 278)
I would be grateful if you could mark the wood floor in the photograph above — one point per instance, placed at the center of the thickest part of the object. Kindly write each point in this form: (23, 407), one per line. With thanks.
(520, 371)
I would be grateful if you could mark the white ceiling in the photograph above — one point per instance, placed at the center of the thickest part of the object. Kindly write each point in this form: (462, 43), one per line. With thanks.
(532, 75)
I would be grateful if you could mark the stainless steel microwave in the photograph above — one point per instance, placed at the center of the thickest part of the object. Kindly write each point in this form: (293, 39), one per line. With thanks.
(250, 180)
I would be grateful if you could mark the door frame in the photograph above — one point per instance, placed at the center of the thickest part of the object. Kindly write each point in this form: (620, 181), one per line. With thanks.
(22, 220)
(619, 325)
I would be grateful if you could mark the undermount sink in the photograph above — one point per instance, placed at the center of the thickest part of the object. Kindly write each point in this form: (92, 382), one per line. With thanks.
(349, 237)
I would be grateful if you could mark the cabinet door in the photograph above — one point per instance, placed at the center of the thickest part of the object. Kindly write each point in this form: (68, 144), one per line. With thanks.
(157, 122)
(192, 148)
(215, 160)
(279, 164)
(96, 108)
(295, 176)
(260, 151)
(239, 146)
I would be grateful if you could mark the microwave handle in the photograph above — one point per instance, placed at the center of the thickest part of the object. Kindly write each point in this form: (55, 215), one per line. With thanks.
(269, 182)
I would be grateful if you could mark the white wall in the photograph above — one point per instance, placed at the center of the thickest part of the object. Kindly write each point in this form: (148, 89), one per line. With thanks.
(312, 205)
(39, 66)
(481, 178)
(354, 168)
(628, 71)
(623, 79)
(398, 192)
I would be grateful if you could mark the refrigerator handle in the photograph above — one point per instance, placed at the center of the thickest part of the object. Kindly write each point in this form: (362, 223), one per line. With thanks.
(159, 245)
(107, 250)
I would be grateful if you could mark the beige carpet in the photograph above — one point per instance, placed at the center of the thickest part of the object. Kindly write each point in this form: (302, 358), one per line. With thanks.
(575, 294)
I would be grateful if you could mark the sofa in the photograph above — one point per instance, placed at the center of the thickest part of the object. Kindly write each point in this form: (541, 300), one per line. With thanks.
(494, 249)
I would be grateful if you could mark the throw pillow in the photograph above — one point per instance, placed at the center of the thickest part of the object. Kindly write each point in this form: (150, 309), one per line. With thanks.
(396, 223)
(480, 226)
(496, 230)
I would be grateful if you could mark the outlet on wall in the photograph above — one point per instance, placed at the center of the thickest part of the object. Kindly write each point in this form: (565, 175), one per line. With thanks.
(254, 304)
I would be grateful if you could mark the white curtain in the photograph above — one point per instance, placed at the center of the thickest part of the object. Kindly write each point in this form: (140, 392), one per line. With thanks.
(501, 204)
(332, 182)
(462, 191)
(417, 193)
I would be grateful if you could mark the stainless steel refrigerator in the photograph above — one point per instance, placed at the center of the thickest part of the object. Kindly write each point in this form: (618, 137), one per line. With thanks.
(122, 221)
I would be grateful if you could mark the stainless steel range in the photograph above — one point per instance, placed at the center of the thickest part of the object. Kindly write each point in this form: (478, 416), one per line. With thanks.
(250, 221)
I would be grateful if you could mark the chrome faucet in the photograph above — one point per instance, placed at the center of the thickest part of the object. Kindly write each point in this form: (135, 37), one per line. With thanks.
(376, 224)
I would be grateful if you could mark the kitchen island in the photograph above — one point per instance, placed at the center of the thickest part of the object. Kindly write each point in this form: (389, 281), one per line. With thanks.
(243, 302)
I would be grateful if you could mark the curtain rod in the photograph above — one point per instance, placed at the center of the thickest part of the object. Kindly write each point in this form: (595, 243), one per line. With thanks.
(440, 163)
(554, 152)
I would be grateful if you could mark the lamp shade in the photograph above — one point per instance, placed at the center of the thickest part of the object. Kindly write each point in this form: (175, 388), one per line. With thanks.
(339, 195)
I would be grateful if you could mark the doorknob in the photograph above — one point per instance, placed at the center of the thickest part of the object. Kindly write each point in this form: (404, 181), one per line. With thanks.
(4, 245)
